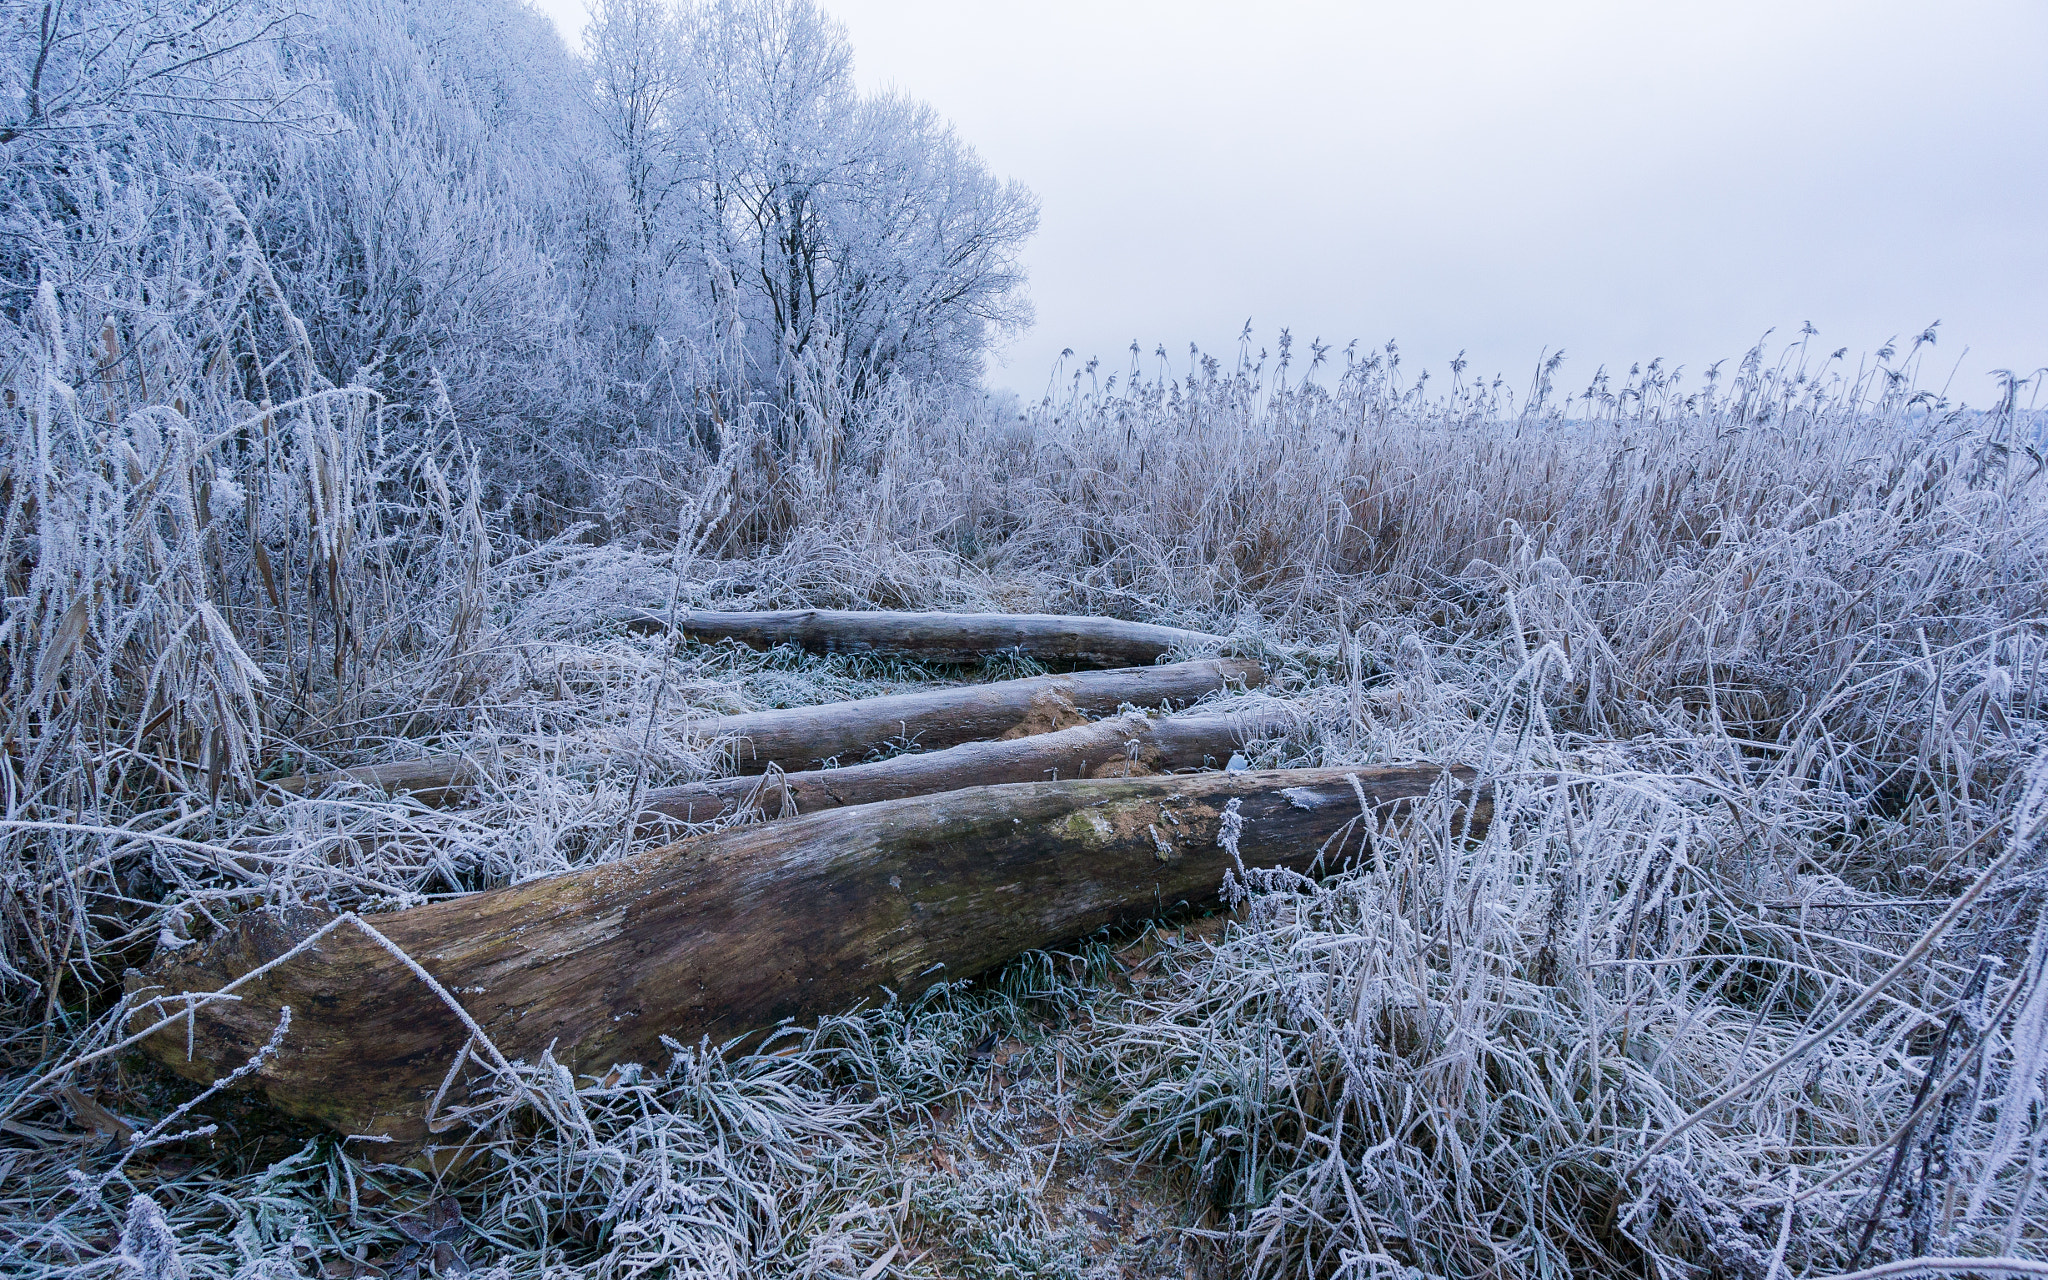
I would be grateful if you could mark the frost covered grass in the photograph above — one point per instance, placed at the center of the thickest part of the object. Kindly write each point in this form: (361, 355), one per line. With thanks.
(1745, 980)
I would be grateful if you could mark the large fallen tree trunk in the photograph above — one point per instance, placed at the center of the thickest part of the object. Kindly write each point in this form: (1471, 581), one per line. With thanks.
(799, 738)
(1123, 747)
(733, 933)
(940, 637)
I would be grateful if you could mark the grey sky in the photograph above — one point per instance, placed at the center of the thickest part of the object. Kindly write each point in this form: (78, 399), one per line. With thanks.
(1622, 180)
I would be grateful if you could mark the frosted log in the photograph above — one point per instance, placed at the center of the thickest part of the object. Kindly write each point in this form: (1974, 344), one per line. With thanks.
(941, 637)
(731, 934)
(1120, 747)
(795, 739)
(800, 738)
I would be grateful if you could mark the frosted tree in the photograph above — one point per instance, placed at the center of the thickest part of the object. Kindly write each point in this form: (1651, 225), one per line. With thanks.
(107, 110)
(702, 220)
(855, 240)
(638, 59)
(650, 291)
(928, 273)
(73, 70)
(433, 243)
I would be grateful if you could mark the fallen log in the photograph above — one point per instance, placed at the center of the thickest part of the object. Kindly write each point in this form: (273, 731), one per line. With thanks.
(939, 637)
(1123, 747)
(799, 738)
(731, 934)
(795, 739)
(435, 781)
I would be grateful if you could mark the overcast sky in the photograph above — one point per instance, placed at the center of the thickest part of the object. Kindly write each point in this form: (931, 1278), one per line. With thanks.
(1621, 180)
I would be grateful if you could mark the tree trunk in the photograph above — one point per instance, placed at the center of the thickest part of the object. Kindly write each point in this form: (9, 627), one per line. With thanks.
(1123, 747)
(941, 637)
(732, 934)
(795, 739)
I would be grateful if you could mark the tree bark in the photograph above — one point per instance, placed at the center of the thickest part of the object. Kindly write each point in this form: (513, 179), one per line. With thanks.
(795, 739)
(1124, 747)
(941, 637)
(731, 934)
(800, 738)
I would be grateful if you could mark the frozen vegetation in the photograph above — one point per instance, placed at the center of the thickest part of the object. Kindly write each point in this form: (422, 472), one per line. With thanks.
(362, 360)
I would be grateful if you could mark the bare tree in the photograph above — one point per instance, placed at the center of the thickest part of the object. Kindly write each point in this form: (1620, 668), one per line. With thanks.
(862, 240)
(640, 87)
(928, 271)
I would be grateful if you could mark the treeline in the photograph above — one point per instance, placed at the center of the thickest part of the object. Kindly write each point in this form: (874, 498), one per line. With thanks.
(696, 223)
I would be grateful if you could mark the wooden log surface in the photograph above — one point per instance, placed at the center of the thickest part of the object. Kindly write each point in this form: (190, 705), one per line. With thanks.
(799, 738)
(732, 933)
(940, 637)
(1127, 746)
(434, 781)
(795, 739)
